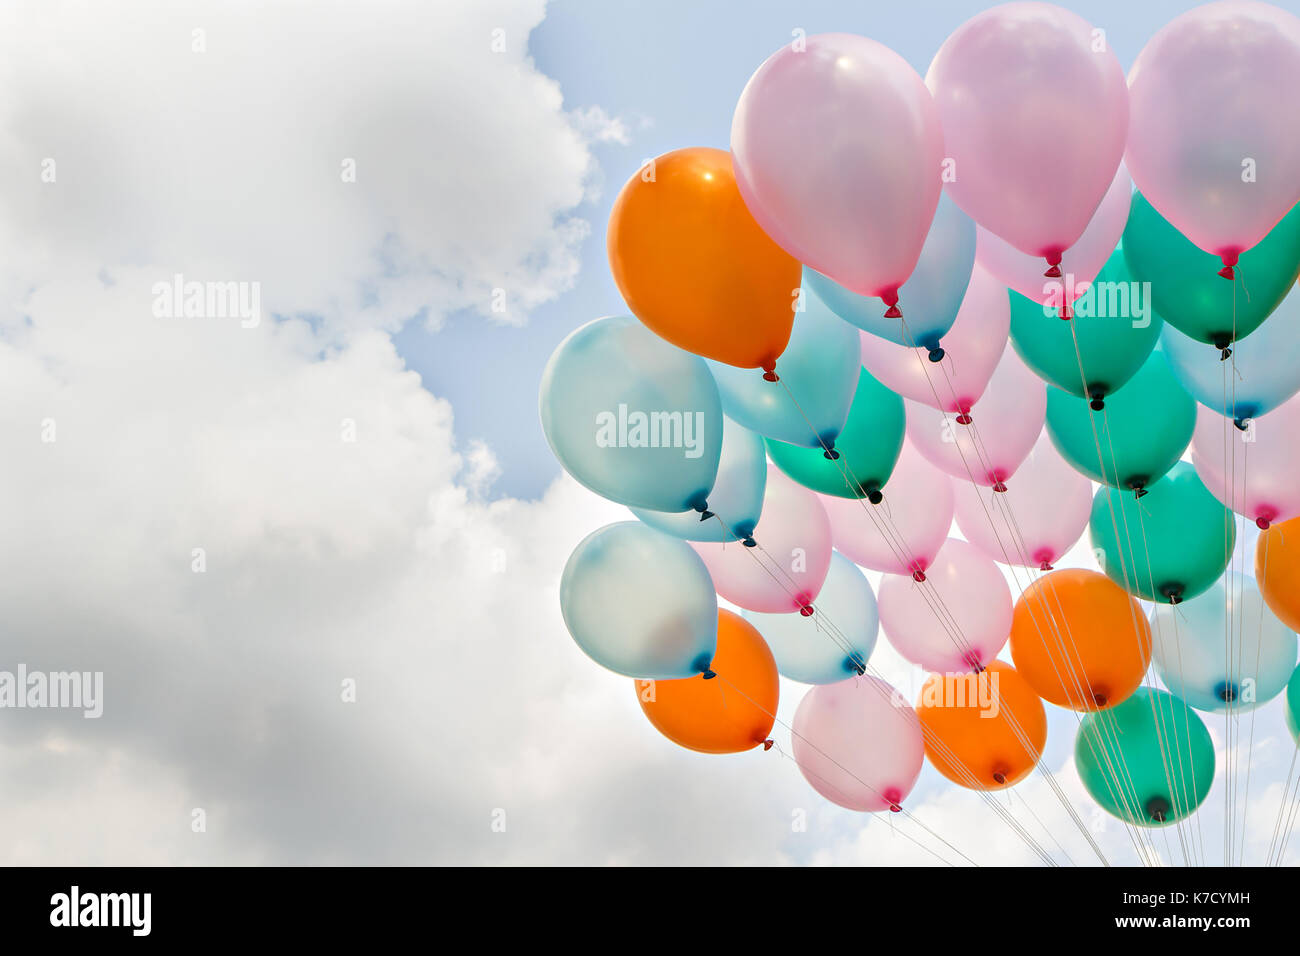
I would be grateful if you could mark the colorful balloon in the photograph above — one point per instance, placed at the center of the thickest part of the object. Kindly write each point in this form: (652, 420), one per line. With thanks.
(729, 710)
(1136, 437)
(1167, 546)
(983, 731)
(933, 294)
(904, 533)
(786, 569)
(631, 417)
(1011, 85)
(1149, 760)
(1207, 143)
(836, 642)
(1277, 570)
(1079, 640)
(977, 611)
(1224, 650)
(695, 267)
(640, 603)
(851, 198)
(862, 457)
(819, 376)
(1255, 471)
(858, 743)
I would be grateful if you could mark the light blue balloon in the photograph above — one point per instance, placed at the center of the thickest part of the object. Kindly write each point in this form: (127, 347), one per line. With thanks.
(640, 602)
(1223, 649)
(636, 420)
(819, 376)
(806, 649)
(1267, 364)
(736, 498)
(931, 296)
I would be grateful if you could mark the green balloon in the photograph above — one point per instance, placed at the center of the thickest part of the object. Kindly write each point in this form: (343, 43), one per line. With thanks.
(1168, 545)
(867, 447)
(1293, 705)
(1148, 760)
(1111, 334)
(1185, 282)
(1141, 432)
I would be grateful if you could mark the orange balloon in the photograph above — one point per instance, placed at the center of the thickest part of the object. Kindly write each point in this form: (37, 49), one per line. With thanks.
(1080, 640)
(695, 267)
(983, 731)
(724, 714)
(1277, 571)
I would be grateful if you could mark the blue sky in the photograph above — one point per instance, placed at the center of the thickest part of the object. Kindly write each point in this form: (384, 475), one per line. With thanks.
(672, 71)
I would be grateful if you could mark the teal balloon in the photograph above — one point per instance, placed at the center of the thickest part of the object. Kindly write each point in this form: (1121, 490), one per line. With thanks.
(1139, 434)
(640, 602)
(1293, 704)
(1261, 374)
(1093, 354)
(819, 372)
(806, 648)
(1167, 546)
(931, 296)
(636, 420)
(736, 498)
(1195, 663)
(1149, 760)
(863, 456)
(1185, 282)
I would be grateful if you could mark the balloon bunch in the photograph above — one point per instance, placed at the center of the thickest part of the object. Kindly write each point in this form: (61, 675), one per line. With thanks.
(815, 379)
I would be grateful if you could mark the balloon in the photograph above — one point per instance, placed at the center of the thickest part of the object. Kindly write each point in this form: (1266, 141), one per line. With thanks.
(973, 346)
(736, 498)
(819, 373)
(632, 418)
(1137, 436)
(1293, 705)
(976, 605)
(1034, 121)
(905, 532)
(1263, 373)
(932, 295)
(1007, 420)
(983, 731)
(1207, 143)
(1149, 760)
(1187, 291)
(695, 267)
(1224, 650)
(858, 743)
(837, 148)
(1110, 336)
(1167, 546)
(1255, 471)
(786, 570)
(1277, 570)
(1049, 506)
(1079, 264)
(727, 713)
(863, 454)
(836, 642)
(640, 603)
(1079, 640)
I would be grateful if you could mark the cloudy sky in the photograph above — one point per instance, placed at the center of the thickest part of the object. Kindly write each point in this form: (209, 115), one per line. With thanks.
(236, 519)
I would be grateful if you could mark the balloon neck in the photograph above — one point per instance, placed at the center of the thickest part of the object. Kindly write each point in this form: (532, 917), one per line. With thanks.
(769, 373)
(855, 665)
(894, 796)
(936, 353)
(1229, 258)
(1158, 809)
(1221, 342)
(1100, 697)
(1065, 313)
(890, 298)
(1098, 402)
(702, 506)
(1226, 692)
(973, 661)
(1138, 486)
(871, 491)
(1053, 257)
(1000, 778)
(1174, 592)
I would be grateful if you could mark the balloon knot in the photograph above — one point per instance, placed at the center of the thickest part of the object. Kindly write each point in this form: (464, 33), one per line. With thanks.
(1053, 257)
(1045, 566)
(874, 496)
(1053, 273)
(709, 674)
(999, 486)
(936, 354)
(1225, 354)
(769, 373)
(1100, 699)
(1226, 692)
(1174, 592)
(1229, 260)
(1097, 404)
(749, 541)
(1139, 492)
(806, 610)
(1242, 424)
(972, 660)
(893, 312)
(767, 744)
(918, 576)
(999, 777)
(895, 798)
(1066, 313)
(964, 418)
(705, 515)
(830, 454)
(1158, 807)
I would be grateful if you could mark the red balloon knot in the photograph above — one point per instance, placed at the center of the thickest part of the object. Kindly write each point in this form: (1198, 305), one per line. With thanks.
(1066, 313)
(1262, 524)
(767, 744)
(1229, 260)
(890, 298)
(1045, 566)
(999, 486)
(918, 576)
(806, 610)
(1054, 264)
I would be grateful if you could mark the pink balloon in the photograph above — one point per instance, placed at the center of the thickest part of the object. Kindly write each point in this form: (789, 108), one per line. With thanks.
(786, 571)
(1082, 261)
(1049, 503)
(1208, 106)
(837, 150)
(903, 533)
(859, 743)
(972, 349)
(1255, 472)
(958, 620)
(1004, 425)
(1035, 114)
